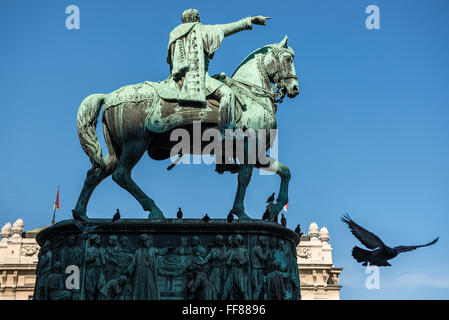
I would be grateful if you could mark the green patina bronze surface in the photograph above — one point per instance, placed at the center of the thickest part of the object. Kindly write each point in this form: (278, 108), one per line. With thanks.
(160, 258)
(170, 259)
(139, 118)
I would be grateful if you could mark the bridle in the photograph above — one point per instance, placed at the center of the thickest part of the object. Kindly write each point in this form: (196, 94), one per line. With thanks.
(278, 78)
(281, 74)
(281, 68)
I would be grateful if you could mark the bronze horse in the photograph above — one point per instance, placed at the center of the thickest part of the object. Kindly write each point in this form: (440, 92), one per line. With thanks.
(137, 119)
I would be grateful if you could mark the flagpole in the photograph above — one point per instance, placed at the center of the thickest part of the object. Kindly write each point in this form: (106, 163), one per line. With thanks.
(55, 206)
(54, 214)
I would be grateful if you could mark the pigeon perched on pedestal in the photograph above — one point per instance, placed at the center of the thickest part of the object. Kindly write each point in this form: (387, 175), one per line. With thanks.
(266, 215)
(179, 214)
(230, 217)
(380, 252)
(206, 218)
(283, 221)
(116, 216)
(298, 229)
(271, 198)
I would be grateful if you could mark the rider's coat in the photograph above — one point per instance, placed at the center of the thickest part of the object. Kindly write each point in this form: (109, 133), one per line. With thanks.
(191, 45)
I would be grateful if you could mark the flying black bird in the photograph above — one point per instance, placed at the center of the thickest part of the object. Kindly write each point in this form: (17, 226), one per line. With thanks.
(266, 215)
(116, 216)
(206, 218)
(283, 220)
(84, 227)
(230, 217)
(179, 214)
(380, 252)
(271, 198)
(298, 229)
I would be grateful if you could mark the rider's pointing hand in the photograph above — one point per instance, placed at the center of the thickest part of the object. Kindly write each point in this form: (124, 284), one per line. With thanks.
(260, 20)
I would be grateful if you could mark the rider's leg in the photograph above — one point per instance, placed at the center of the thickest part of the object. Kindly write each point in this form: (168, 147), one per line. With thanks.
(226, 114)
(226, 117)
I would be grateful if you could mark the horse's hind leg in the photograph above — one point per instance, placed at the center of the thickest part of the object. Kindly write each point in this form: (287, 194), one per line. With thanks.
(95, 176)
(131, 153)
(93, 179)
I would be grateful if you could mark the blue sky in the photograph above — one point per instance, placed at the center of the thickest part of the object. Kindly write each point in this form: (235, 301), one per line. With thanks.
(368, 134)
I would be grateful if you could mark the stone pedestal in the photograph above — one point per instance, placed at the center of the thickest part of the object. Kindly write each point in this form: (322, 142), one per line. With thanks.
(171, 259)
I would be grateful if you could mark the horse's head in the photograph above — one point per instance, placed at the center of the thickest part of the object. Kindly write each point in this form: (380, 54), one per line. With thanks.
(280, 68)
(274, 64)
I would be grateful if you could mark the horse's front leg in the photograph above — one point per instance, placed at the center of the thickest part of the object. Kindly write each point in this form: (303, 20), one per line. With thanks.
(244, 177)
(282, 199)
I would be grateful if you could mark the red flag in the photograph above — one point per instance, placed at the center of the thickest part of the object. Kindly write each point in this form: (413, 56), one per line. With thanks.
(286, 207)
(57, 199)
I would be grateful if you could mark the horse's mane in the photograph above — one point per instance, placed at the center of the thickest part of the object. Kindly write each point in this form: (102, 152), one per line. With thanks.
(262, 50)
(252, 55)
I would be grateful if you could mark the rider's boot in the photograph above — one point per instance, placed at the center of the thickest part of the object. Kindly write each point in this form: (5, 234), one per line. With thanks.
(226, 113)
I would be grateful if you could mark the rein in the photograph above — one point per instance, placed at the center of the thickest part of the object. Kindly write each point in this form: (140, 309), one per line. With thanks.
(268, 91)
(279, 77)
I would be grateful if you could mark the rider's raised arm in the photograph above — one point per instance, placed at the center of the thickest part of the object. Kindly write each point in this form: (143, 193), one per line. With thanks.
(243, 24)
(234, 27)
(213, 34)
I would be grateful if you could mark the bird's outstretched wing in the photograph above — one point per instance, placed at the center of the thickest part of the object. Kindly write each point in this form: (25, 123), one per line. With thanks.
(400, 249)
(84, 227)
(368, 239)
(91, 228)
(80, 225)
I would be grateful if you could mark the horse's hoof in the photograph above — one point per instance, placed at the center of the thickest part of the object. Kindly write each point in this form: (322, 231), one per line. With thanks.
(154, 217)
(241, 215)
(80, 216)
(156, 214)
(244, 216)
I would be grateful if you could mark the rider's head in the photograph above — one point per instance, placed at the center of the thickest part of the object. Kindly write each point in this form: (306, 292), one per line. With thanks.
(190, 15)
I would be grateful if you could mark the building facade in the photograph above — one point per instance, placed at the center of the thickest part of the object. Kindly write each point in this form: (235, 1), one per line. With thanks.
(18, 260)
(318, 276)
(19, 256)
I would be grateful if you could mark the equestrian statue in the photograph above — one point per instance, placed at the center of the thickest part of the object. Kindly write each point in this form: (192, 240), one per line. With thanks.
(141, 118)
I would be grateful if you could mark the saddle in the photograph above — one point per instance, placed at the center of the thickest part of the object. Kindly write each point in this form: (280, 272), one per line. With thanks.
(169, 113)
(163, 110)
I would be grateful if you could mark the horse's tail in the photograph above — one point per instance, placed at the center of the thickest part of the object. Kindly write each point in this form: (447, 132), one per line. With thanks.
(86, 121)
